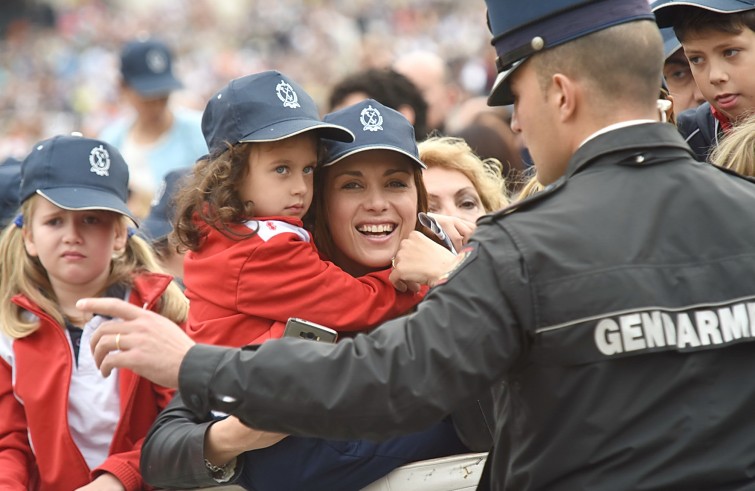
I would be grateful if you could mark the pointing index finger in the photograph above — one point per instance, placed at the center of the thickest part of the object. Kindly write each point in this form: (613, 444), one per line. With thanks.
(111, 307)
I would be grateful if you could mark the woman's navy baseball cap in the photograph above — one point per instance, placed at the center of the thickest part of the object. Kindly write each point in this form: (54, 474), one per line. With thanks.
(667, 11)
(77, 173)
(375, 127)
(263, 107)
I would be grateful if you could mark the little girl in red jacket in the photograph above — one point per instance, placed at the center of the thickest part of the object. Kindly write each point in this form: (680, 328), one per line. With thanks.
(251, 265)
(62, 425)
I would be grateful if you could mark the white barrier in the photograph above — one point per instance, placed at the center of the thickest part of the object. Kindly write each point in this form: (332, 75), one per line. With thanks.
(455, 473)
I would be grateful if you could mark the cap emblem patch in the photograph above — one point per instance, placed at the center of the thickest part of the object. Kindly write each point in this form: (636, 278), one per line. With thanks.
(287, 95)
(99, 159)
(371, 119)
(156, 60)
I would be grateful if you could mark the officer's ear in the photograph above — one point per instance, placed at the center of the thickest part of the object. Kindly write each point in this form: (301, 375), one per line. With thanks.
(564, 93)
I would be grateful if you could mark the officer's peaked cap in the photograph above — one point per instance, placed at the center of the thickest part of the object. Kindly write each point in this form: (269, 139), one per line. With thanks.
(521, 29)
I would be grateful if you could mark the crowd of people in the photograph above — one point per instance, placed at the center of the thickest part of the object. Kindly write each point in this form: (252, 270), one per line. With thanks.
(549, 274)
(59, 72)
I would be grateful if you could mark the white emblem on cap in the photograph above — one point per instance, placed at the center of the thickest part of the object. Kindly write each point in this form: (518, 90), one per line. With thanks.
(99, 158)
(371, 119)
(156, 61)
(537, 43)
(287, 95)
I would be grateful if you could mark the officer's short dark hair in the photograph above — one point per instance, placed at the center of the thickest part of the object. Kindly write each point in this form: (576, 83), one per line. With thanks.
(693, 20)
(623, 63)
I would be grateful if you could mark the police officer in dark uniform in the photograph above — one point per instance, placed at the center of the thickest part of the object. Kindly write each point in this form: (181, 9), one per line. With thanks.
(618, 305)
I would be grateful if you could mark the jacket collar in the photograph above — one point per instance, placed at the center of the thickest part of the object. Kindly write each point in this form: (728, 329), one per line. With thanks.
(627, 145)
(147, 289)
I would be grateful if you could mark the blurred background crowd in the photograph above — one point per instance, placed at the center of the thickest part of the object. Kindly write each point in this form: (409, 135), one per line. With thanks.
(59, 59)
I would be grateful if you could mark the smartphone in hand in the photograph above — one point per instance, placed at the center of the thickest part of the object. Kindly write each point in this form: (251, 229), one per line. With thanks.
(300, 328)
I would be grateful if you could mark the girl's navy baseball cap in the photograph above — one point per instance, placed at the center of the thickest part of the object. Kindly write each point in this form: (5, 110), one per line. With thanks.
(263, 107)
(76, 173)
(376, 127)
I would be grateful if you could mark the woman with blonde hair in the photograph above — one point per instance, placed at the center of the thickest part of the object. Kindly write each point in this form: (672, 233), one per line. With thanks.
(459, 183)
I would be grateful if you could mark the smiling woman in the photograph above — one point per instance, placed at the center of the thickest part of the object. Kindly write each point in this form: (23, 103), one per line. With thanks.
(367, 195)
(371, 199)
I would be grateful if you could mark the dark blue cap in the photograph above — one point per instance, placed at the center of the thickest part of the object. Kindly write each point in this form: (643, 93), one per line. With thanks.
(263, 107)
(375, 127)
(159, 222)
(10, 181)
(147, 67)
(521, 29)
(670, 42)
(667, 11)
(76, 173)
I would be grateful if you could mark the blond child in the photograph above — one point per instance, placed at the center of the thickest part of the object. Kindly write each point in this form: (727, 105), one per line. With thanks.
(63, 425)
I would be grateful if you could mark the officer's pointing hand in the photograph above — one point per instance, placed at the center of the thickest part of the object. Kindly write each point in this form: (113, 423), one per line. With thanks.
(142, 341)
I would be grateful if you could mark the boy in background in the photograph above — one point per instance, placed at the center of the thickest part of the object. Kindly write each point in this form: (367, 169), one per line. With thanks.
(718, 38)
(678, 75)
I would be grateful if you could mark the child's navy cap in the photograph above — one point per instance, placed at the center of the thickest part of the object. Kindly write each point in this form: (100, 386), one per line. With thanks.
(263, 107)
(147, 67)
(667, 11)
(10, 181)
(670, 42)
(521, 29)
(158, 223)
(376, 127)
(76, 173)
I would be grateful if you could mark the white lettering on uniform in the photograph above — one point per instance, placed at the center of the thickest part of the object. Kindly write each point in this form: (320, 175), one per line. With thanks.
(669, 328)
(607, 337)
(631, 332)
(734, 322)
(686, 332)
(653, 325)
(657, 329)
(707, 326)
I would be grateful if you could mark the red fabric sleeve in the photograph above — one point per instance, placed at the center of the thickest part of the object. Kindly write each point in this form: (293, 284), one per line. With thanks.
(285, 277)
(16, 458)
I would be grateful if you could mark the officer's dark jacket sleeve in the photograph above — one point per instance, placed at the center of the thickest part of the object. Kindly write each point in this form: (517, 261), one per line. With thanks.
(405, 375)
(173, 452)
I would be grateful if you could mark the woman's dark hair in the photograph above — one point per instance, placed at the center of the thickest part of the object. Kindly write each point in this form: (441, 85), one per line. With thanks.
(388, 87)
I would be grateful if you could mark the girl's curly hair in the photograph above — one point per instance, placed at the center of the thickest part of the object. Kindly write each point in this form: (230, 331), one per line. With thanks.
(210, 197)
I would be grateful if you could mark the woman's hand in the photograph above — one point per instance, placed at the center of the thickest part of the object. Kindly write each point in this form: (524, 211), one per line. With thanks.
(229, 438)
(420, 261)
(104, 482)
(457, 229)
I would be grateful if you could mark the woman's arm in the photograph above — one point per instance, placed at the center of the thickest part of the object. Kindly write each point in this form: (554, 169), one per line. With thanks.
(176, 447)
